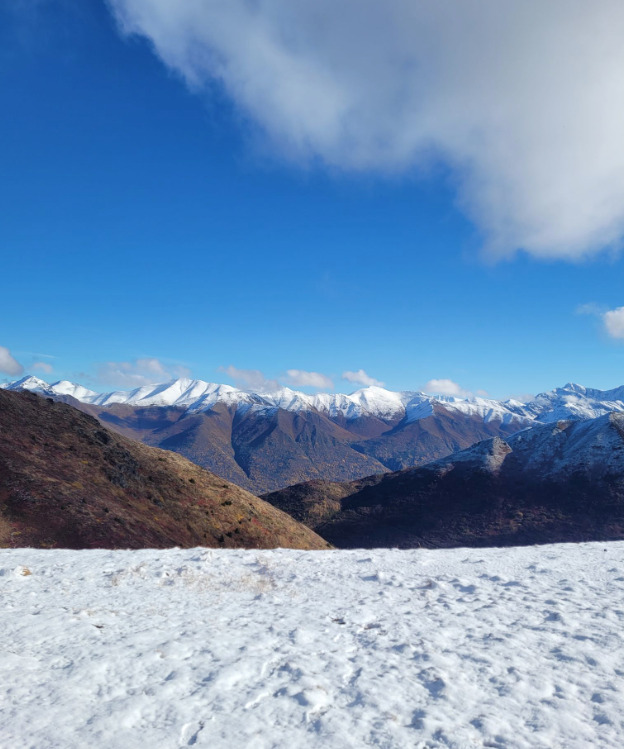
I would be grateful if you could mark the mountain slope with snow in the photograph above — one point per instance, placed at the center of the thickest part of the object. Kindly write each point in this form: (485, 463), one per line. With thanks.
(575, 402)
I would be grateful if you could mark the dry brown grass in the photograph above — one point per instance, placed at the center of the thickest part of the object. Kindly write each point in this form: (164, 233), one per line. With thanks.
(67, 482)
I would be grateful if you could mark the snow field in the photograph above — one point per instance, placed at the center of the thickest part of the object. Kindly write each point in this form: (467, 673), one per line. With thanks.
(448, 648)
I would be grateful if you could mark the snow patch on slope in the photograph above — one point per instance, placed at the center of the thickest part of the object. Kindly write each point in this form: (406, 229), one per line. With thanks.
(591, 446)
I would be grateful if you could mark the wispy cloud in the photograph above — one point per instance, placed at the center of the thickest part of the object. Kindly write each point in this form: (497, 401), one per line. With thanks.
(42, 366)
(252, 379)
(144, 371)
(522, 397)
(612, 320)
(361, 378)
(8, 364)
(300, 378)
(523, 101)
(591, 309)
(446, 387)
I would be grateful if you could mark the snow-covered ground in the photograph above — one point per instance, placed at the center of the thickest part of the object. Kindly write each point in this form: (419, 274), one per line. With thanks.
(460, 648)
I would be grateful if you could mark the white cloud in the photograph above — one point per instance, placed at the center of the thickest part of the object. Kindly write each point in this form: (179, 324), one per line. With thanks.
(522, 397)
(145, 371)
(361, 378)
(523, 101)
(300, 378)
(8, 364)
(614, 322)
(154, 366)
(253, 379)
(42, 366)
(445, 387)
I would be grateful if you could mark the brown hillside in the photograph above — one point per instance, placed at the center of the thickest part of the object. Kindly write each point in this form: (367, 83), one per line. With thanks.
(259, 452)
(67, 482)
(265, 451)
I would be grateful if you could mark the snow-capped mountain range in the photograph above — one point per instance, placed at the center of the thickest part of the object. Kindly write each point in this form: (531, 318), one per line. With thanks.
(568, 402)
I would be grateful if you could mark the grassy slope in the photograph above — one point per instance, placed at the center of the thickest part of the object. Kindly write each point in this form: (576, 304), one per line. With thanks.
(65, 481)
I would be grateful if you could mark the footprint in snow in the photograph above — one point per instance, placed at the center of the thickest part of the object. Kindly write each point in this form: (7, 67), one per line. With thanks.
(190, 732)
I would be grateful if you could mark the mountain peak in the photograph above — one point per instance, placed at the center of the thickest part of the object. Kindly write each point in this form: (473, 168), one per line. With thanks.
(29, 382)
(574, 387)
(488, 455)
(572, 401)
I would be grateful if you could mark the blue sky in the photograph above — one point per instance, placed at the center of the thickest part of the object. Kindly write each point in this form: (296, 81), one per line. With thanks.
(157, 222)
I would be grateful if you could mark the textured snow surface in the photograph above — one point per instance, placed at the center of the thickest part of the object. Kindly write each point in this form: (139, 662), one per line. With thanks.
(455, 648)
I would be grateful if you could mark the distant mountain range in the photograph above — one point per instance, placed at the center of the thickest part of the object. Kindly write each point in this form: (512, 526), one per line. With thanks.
(67, 482)
(265, 441)
(196, 396)
(561, 481)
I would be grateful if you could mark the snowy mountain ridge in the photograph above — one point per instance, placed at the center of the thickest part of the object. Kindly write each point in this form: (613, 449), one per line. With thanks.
(572, 401)
(553, 449)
